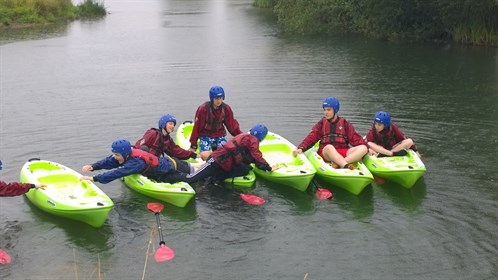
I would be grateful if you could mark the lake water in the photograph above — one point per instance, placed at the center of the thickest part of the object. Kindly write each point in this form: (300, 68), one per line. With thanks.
(66, 92)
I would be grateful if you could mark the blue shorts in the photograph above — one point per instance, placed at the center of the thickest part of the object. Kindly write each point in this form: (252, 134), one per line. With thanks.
(207, 143)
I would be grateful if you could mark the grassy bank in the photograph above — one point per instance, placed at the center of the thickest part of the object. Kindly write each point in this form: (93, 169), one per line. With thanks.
(21, 13)
(463, 21)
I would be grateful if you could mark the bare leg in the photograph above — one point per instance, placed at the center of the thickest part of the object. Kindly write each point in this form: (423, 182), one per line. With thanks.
(331, 154)
(356, 153)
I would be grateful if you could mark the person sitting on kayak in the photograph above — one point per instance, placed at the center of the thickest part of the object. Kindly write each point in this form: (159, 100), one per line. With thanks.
(336, 135)
(211, 118)
(15, 188)
(386, 139)
(126, 160)
(159, 142)
(234, 158)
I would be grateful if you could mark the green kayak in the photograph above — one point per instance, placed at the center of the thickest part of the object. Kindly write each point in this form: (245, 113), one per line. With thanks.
(182, 137)
(177, 194)
(294, 171)
(65, 195)
(403, 170)
(353, 181)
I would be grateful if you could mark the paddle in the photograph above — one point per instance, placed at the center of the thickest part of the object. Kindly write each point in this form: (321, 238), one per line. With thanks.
(4, 257)
(321, 193)
(379, 180)
(252, 199)
(163, 253)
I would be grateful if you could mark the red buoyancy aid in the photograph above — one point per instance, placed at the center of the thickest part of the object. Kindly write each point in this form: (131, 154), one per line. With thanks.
(212, 123)
(151, 160)
(234, 149)
(386, 139)
(334, 134)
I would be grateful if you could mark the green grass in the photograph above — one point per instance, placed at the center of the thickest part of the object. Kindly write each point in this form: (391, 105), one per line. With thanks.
(22, 13)
(264, 3)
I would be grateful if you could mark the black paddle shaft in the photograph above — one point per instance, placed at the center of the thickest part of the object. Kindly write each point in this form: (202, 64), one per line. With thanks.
(161, 239)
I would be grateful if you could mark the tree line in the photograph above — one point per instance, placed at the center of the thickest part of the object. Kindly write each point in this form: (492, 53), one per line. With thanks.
(21, 13)
(472, 22)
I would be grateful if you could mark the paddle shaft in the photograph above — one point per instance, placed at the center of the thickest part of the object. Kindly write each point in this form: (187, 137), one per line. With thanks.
(161, 239)
(321, 193)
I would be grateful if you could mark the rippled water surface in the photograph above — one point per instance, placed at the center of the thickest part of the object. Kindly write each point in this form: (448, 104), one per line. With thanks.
(67, 92)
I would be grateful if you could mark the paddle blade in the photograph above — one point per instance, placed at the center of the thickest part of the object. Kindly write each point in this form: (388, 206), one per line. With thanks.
(4, 257)
(164, 253)
(379, 180)
(252, 199)
(155, 207)
(323, 194)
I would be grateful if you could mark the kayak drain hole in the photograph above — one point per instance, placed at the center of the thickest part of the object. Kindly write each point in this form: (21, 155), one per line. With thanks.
(183, 189)
(100, 204)
(410, 167)
(361, 173)
(302, 172)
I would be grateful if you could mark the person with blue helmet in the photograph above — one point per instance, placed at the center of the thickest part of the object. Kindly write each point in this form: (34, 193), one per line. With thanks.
(234, 158)
(385, 138)
(16, 188)
(127, 160)
(211, 119)
(340, 144)
(158, 141)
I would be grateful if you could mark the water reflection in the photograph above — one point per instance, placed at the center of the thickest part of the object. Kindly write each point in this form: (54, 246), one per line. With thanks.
(360, 206)
(409, 199)
(9, 35)
(300, 203)
(90, 239)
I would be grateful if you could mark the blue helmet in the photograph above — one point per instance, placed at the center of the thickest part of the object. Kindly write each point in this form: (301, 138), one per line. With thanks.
(216, 92)
(332, 103)
(165, 119)
(259, 130)
(383, 118)
(0, 165)
(121, 146)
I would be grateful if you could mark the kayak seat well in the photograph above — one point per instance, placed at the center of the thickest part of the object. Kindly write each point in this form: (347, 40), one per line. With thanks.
(187, 130)
(39, 168)
(280, 154)
(61, 180)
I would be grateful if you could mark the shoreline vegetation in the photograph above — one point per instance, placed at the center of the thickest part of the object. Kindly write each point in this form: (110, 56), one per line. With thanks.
(29, 13)
(469, 22)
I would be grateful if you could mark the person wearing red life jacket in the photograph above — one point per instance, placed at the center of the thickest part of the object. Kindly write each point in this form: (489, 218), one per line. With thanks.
(16, 188)
(211, 118)
(159, 142)
(234, 158)
(126, 160)
(339, 141)
(386, 139)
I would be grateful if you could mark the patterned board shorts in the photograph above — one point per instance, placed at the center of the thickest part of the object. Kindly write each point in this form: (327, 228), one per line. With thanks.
(208, 144)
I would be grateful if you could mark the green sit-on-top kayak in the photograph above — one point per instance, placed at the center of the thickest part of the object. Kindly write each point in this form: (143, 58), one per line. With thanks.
(403, 170)
(177, 194)
(182, 139)
(65, 195)
(295, 171)
(353, 181)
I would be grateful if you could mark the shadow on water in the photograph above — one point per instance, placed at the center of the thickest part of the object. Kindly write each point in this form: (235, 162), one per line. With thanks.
(133, 201)
(409, 199)
(302, 203)
(94, 240)
(361, 205)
